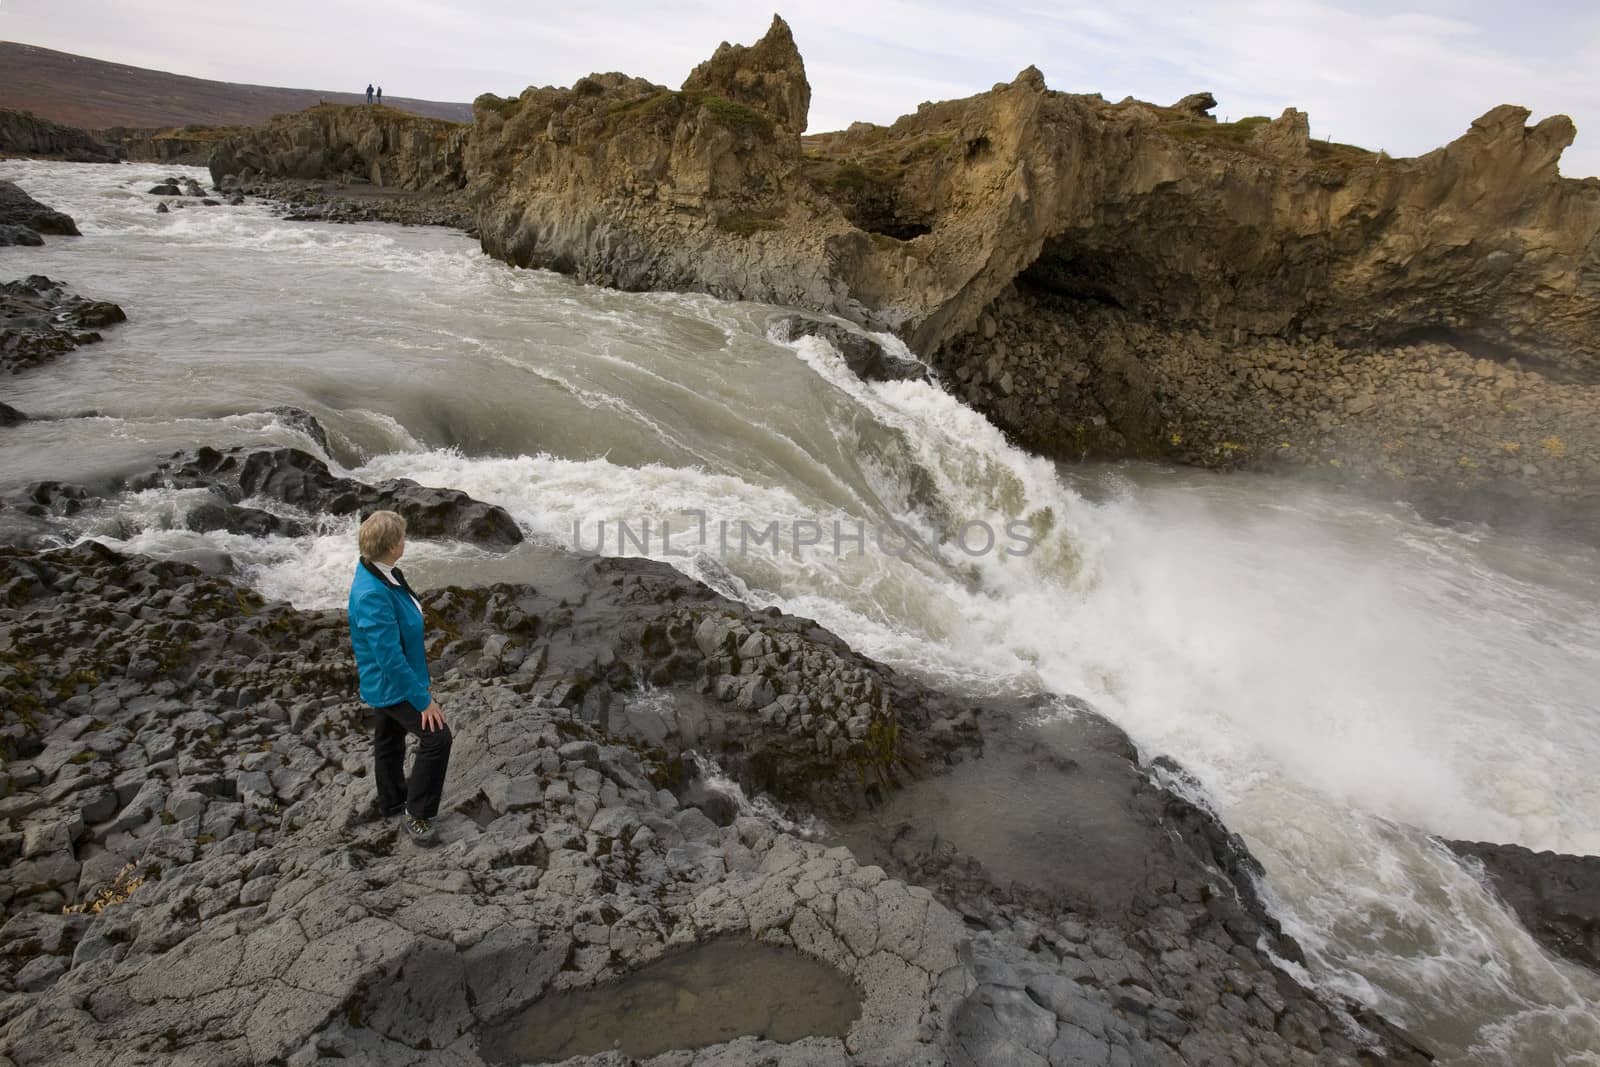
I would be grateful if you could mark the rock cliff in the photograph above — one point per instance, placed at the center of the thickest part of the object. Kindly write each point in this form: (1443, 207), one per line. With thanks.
(25, 134)
(1101, 279)
(374, 144)
(1248, 227)
(189, 146)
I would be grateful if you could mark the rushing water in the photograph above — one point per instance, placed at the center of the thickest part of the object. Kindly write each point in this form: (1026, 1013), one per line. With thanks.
(1344, 678)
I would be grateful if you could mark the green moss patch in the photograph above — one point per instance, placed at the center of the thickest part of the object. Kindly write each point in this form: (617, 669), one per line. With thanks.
(745, 223)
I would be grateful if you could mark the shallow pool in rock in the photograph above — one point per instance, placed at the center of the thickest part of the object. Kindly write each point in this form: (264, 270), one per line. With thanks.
(698, 996)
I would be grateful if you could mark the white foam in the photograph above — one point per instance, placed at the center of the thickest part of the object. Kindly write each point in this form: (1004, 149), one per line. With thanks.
(761, 806)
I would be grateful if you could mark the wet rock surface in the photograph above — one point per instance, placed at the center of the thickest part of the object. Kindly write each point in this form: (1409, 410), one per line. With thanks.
(23, 219)
(867, 358)
(303, 481)
(1557, 897)
(710, 994)
(187, 771)
(41, 319)
(1458, 435)
(348, 201)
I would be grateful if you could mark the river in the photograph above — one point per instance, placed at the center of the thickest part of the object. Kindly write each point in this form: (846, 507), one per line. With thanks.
(1344, 678)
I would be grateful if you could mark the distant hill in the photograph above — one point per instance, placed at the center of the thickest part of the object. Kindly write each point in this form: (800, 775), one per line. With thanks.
(93, 94)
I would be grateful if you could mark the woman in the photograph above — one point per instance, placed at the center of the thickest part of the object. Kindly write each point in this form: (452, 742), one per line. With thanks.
(386, 633)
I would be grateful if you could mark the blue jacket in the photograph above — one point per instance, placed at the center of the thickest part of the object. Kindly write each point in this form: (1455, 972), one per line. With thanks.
(386, 633)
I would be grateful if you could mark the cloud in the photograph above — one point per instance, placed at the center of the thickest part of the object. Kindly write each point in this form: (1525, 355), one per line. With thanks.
(1404, 77)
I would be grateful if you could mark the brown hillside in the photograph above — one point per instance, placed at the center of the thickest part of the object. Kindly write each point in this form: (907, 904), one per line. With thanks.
(92, 93)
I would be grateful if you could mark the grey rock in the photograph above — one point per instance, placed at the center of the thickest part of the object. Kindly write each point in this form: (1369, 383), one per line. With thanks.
(585, 752)
(507, 794)
(41, 973)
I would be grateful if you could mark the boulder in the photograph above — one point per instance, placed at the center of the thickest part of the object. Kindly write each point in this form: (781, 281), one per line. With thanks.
(19, 235)
(1287, 137)
(19, 209)
(866, 357)
(302, 420)
(1198, 105)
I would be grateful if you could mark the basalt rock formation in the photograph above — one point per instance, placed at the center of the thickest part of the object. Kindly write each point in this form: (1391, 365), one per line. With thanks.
(196, 870)
(301, 480)
(1112, 279)
(370, 144)
(1101, 279)
(25, 134)
(1556, 896)
(189, 146)
(40, 319)
(1250, 226)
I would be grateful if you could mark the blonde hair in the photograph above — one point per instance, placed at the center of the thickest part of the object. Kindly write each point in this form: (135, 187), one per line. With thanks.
(381, 533)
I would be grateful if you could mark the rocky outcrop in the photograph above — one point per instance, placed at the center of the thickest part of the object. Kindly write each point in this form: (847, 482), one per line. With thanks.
(1556, 897)
(378, 145)
(25, 134)
(1186, 221)
(634, 185)
(1458, 435)
(40, 319)
(1422, 327)
(1226, 251)
(189, 146)
(10, 416)
(23, 219)
(866, 357)
(332, 201)
(185, 800)
(19, 236)
(195, 868)
(303, 481)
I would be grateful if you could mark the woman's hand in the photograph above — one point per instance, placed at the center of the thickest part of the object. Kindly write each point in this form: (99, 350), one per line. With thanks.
(433, 717)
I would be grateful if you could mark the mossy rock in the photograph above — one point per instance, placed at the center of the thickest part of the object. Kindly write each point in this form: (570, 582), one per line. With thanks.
(745, 223)
(737, 117)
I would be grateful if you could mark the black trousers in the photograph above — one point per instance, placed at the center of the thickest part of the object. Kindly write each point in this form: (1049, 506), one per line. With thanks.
(418, 795)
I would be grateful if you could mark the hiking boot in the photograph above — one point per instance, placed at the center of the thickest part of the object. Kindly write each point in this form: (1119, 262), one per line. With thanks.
(420, 830)
(377, 814)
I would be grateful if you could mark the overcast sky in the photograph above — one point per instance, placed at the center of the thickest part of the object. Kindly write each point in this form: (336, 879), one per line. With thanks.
(1403, 76)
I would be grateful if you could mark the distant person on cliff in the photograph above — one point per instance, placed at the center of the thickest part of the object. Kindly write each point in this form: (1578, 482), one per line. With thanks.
(369, 92)
(386, 631)
(380, 94)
